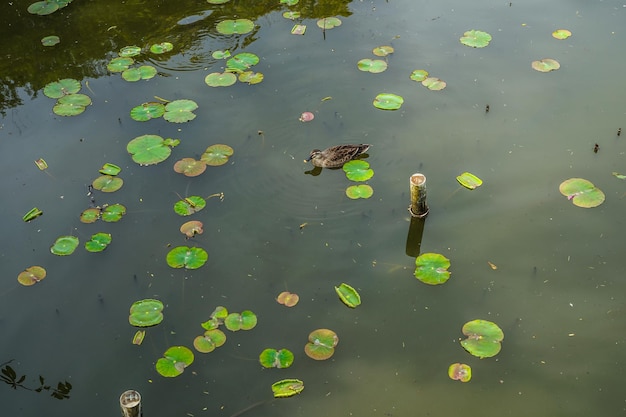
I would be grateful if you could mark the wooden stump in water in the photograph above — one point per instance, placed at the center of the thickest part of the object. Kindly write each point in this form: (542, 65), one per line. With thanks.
(130, 403)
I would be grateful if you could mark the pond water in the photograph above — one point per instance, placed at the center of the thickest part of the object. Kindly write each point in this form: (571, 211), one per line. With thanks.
(558, 292)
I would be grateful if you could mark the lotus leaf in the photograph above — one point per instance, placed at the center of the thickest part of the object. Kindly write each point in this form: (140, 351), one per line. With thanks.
(189, 205)
(388, 101)
(71, 105)
(147, 111)
(483, 338)
(272, 358)
(432, 268)
(321, 344)
(220, 79)
(218, 1)
(146, 313)
(242, 62)
(237, 26)
(216, 155)
(110, 169)
(561, 34)
(107, 183)
(211, 340)
(180, 111)
(90, 215)
(348, 295)
(217, 317)
(383, 50)
(189, 167)
(31, 275)
(43, 8)
(220, 313)
(161, 48)
(359, 191)
(287, 299)
(98, 242)
(328, 23)
(289, 2)
(64, 245)
(475, 38)
(32, 214)
(433, 83)
(582, 192)
(113, 213)
(251, 77)
(460, 372)
(41, 164)
(191, 228)
(138, 337)
(291, 15)
(174, 362)
(244, 321)
(546, 65)
(469, 181)
(50, 40)
(287, 388)
(358, 170)
(120, 63)
(150, 149)
(419, 75)
(58, 89)
(189, 258)
(129, 51)
(144, 72)
(221, 54)
(374, 66)
(298, 29)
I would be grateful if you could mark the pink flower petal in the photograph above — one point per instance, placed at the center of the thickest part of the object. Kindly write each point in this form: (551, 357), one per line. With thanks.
(307, 116)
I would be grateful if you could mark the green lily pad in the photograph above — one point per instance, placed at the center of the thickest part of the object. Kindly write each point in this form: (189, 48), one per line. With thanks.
(208, 342)
(64, 245)
(144, 72)
(43, 8)
(289, 2)
(618, 175)
(41, 164)
(58, 89)
(359, 191)
(217, 317)
(113, 213)
(328, 23)
(321, 344)
(32, 214)
(98, 242)
(272, 358)
(90, 215)
(546, 65)
(287, 388)
(174, 362)
(189, 167)
(582, 192)
(221, 54)
(50, 40)
(383, 50)
(217, 1)
(147, 111)
(388, 101)
(291, 15)
(242, 62)
(110, 169)
(483, 338)
(419, 75)
(287, 299)
(180, 111)
(216, 155)
(432, 268)
(191, 228)
(31, 275)
(146, 313)
(150, 149)
(161, 48)
(189, 258)
(120, 63)
(107, 183)
(433, 83)
(374, 66)
(561, 34)
(460, 372)
(71, 105)
(469, 181)
(251, 77)
(475, 38)
(138, 337)
(129, 51)
(244, 321)
(235, 27)
(220, 79)
(189, 205)
(358, 170)
(348, 295)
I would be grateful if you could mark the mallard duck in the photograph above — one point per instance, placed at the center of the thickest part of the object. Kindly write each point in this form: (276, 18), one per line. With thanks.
(336, 156)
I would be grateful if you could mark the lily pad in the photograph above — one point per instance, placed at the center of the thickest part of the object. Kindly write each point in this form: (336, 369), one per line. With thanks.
(358, 170)
(220, 79)
(216, 155)
(546, 65)
(32, 214)
(221, 54)
(374, 66)
(147, 111)
(174, 362)
(272, 358)
(41, 164)
(321, 344)
(383, 50)
(388, 101)
(359, 191)
(43, 8)
(483, 338)
(50, 40)
(244, 321)
(180, 111)
(582, 192)
(128, 51)
(64, 245)
(298, 29)
(120, 63)
(138, 337)
(110, 169)
(31, 275)
(291, 15)
(561, 34)
(144, 72)
(419, 75)
(208, 342)
(150, 149)
(98, 242)
(475, 38)
(58, 89)
(328, 23)
(460, 372)
(189, 205)
(287, 388)
(107, 183)
(250, 77)
(90, 215)
(161, 48)
(191, 228)
(71, 105)
(348, 295)
(217, 1)
(189, 167)
(189, 258)
(113, 213)
(433, 83)
(146, 313)
(289, 2)
(242, 62)
(469, 181)
(235, 27)
(217, 317)
(287, 299)
(432, 268)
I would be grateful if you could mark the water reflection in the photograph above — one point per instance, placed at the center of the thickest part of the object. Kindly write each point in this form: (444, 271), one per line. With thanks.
(14, 380)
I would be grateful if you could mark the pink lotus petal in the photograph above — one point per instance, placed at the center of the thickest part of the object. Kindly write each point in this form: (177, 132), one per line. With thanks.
(307, 116)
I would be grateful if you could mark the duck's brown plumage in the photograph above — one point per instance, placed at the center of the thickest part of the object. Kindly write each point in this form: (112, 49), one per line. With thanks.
(336, 156)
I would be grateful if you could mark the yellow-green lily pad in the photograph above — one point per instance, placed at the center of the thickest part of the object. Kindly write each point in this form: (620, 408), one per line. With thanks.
(469, 181)
(483, 338)
(582, 192)
(432, 268)
(348, 295)
(31, 275)
(287, 388)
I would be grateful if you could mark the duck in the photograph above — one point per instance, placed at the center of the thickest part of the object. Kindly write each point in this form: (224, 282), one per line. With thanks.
(336, 156)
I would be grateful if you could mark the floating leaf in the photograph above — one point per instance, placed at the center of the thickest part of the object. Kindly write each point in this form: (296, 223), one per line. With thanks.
(129, 51)
(244, 321)
(218, 1)
(64, 245)
(328, 23)
(250, 77)
(189, 205)
(138, 337)
(434, 84)
(220, 79)
(359, 191)
(161, 48)
(469, 181)
(58, 89)
(475, 38)
(41, 164)
(287, 299)
(242, 62)
(582, 192)
(383, 50)
(189, 258)
(217, 317)
(374, 66)
(358, 170)
(180, 111)
(174, 362)
(287, 388)
(546, 65)
(221, 54)
(144, 72)
(291, 15)
(619, 176)
(32, 214)
(191, 228)
(289, 2)
(147, 111)
(110, 169)
(98, 242)
(216, 155)
(321, 344)
(71, 105)
(483, 338)
(150, 149)
(120, 63)
(31, 275)
(146, 313)
(561, 34)
(460, 372)
(208, 342)
(50, 40)
(43, 8)
(107, 183)
(298, 29)
(388, 101)
(237, 26)
(272, 358)
(348, 295)
(90, 215)
(419, 75)
(189, 167)
(113, 213)
(432, 268)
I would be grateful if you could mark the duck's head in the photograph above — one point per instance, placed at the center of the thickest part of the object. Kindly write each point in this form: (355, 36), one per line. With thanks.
(313, 154)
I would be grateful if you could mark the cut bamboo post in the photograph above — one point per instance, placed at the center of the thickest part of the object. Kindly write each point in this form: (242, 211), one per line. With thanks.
(130, 403)
(417, 184)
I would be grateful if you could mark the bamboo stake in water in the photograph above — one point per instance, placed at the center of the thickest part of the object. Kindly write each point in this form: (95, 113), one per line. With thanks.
(417, 184)
(130, 403)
